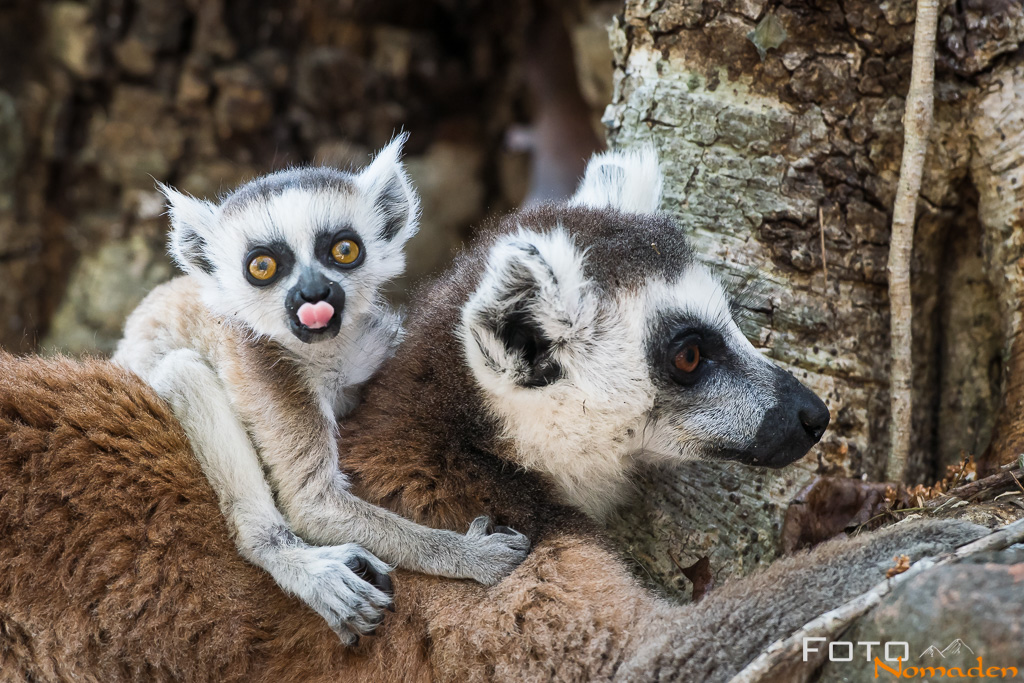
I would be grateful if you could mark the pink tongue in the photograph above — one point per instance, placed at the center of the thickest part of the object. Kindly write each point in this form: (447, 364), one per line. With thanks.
(315, 316)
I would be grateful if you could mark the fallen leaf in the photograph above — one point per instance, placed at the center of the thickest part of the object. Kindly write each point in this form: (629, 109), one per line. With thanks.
(828, 506)
(699, 574)
(902, 565)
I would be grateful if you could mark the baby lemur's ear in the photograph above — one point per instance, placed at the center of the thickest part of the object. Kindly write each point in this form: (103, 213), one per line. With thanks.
(191, 222)
(394, 200)
(627, 181)
(534, 308)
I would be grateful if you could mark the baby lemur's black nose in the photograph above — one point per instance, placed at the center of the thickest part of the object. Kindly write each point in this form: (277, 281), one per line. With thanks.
(315, 292)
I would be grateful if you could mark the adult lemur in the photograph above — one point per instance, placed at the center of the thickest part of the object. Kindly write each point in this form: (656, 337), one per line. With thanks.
(566, 344)
(277, 322)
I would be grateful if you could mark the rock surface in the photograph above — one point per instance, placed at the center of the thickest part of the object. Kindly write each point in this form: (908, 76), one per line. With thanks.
(950, 616)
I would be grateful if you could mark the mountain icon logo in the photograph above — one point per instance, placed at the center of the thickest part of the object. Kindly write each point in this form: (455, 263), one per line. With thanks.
(956, 647)
(932, 652)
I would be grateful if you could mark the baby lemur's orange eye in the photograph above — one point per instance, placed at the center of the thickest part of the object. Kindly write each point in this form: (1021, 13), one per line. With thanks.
(262, 267)
(345, 252)
(688, 358)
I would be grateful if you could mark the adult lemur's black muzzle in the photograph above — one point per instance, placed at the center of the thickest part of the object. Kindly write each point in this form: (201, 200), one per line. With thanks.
(790, 428)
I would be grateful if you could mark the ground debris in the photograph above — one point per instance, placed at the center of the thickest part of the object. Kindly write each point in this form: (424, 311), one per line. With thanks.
(829, 506)
(699, 574)
(902, 565)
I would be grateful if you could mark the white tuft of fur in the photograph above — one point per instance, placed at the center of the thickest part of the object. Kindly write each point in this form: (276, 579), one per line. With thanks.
(629, 181)
(387, 176)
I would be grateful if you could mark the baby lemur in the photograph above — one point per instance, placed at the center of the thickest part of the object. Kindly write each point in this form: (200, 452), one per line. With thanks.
(277, 321)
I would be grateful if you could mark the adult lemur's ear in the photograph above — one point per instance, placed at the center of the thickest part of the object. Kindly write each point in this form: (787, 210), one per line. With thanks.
(191, 222)
(393, 198)
(627, 181)
(532, 309)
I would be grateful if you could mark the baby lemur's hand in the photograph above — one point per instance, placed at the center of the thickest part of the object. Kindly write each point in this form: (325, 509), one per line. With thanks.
(345, 584)
(492, 554)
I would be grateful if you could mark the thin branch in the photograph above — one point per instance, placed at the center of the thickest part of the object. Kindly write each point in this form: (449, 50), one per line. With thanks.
(821, 229)
(783, 659)
(917, 121)
(974, 489)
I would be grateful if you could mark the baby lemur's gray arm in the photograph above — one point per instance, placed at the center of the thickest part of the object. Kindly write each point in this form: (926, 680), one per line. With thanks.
(300, 450)
(325, 578)
(714, 639)
(329, 513)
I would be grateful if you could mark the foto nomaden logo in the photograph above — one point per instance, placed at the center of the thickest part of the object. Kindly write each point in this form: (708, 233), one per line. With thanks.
(896, 653)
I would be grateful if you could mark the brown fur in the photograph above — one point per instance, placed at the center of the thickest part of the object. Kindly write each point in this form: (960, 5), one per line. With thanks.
(115, 564)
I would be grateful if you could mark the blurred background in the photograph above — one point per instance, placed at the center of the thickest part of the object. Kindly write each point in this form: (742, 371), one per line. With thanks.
(101, 98)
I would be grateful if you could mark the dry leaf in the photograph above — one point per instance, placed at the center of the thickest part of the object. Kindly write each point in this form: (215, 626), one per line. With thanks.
(830, 505)
(699, 574)
(902, 565)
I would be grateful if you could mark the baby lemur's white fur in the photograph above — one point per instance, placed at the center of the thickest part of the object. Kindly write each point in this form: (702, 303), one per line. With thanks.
(263, 342)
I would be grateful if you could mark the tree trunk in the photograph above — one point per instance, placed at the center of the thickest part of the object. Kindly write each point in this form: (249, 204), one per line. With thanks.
(755, 150)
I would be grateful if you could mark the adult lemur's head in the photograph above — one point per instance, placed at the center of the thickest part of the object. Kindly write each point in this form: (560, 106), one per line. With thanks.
(298, 254)
(598, 340)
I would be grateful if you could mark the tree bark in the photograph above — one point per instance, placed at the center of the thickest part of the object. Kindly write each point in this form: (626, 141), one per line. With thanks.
(996, 130)
(752, 151)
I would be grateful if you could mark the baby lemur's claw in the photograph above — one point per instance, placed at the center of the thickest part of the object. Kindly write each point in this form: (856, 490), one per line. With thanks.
(493, 551)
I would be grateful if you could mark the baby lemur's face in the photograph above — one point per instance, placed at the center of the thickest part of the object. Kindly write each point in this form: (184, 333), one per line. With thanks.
(300, 254)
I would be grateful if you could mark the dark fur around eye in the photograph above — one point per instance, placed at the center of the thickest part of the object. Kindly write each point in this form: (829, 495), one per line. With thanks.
(675, 334)
(326, 240)
(279, 251)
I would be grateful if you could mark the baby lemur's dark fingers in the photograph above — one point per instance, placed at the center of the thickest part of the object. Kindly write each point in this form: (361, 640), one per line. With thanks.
(348, 638)
(366, 617)
(382, 582)
(371, 575)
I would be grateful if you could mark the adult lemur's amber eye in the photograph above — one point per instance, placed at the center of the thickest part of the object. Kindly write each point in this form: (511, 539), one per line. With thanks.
(345, 252)
(688, 358)
(262, 267)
